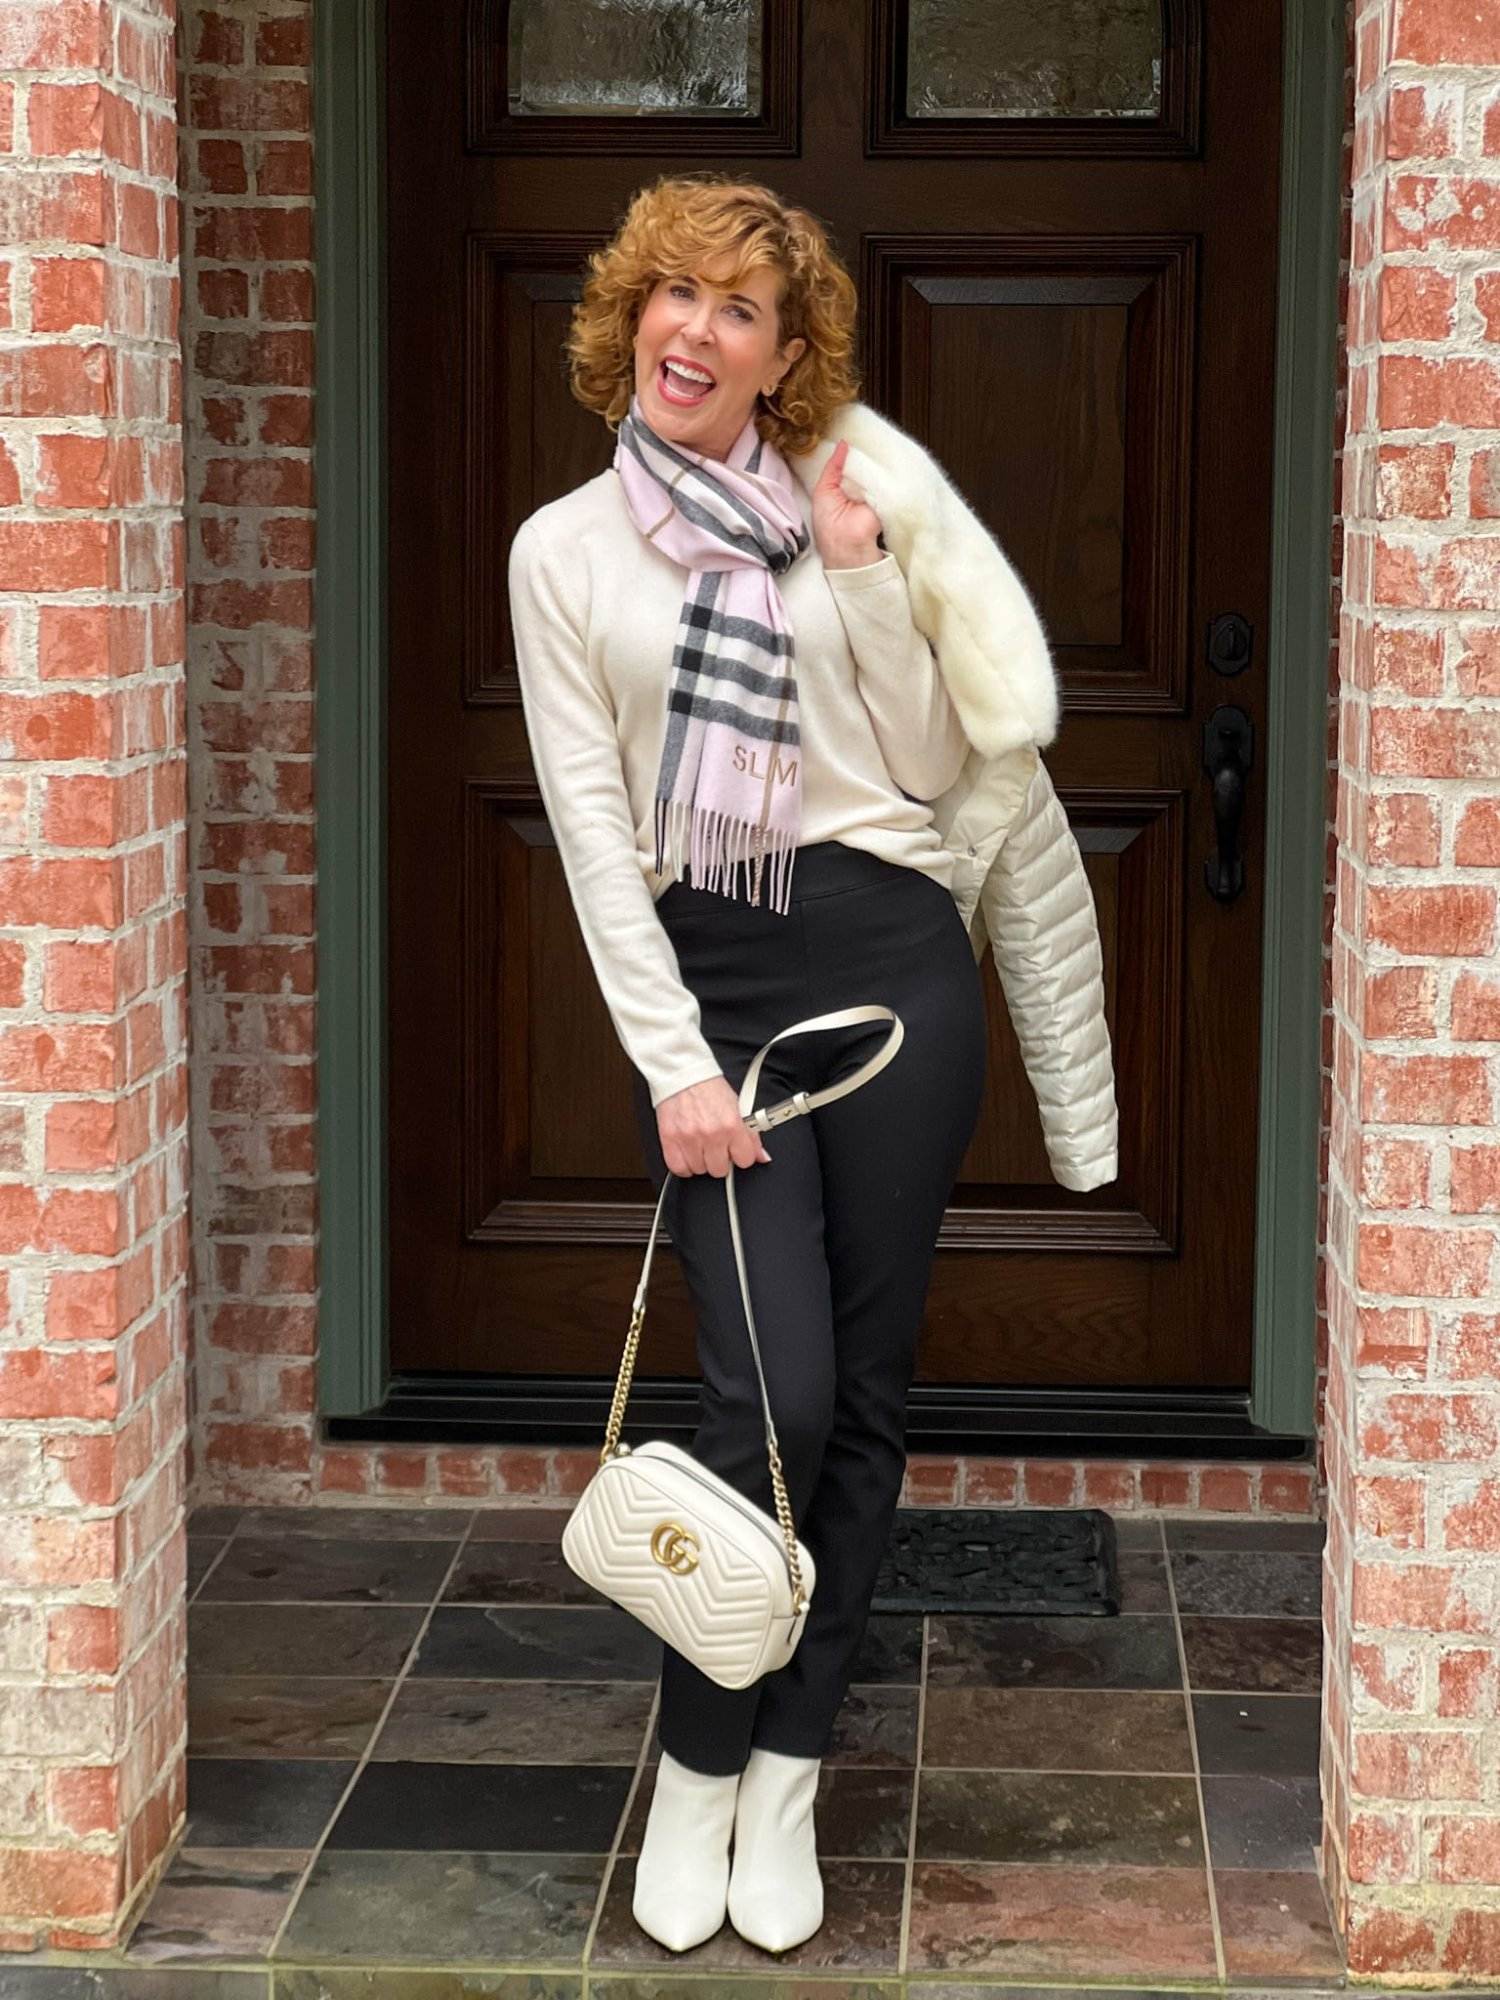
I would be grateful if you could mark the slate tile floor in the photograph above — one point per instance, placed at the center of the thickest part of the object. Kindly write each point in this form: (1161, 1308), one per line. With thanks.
(421, 1754)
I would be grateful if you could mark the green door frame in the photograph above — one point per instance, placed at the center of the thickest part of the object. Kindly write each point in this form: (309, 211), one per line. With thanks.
(350, 655)
(351, 676)
(1294, 756)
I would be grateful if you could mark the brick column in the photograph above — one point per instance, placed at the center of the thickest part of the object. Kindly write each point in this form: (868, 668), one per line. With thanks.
(93, 1085)
(1411, 1768)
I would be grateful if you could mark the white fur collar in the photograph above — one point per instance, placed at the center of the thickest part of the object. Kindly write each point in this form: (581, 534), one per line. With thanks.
(966, 599)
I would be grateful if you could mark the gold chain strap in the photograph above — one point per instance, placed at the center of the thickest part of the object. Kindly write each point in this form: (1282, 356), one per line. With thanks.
(612, 1446)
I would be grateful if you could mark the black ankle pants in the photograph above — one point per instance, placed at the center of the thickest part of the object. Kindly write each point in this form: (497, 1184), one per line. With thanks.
(839, 1232)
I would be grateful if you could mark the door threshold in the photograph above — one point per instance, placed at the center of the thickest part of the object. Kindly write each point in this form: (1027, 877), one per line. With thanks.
(986, 1422)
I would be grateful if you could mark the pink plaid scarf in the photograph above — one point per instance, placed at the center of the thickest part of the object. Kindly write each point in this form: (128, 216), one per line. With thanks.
(730, 773)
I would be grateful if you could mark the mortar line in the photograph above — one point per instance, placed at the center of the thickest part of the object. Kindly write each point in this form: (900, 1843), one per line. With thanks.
(903, 1936)
(1187, 1698)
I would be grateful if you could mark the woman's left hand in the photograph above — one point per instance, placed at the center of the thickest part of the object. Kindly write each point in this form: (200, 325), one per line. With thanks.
(843, 528)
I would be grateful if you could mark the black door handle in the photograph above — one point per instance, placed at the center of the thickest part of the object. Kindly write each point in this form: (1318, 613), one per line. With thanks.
(1228, 753)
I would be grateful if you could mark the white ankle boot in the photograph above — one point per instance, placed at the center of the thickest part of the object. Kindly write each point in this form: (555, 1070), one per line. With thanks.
(775, 1889)
(682, 1876)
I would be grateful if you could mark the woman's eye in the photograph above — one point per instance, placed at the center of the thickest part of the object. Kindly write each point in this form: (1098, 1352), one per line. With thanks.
(686, 292)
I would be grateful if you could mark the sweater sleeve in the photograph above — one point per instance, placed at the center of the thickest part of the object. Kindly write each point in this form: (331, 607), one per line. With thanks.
(916, 724)
(570, 725)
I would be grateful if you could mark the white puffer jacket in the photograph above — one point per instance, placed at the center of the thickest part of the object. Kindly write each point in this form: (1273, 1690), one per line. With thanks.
(1018, 876)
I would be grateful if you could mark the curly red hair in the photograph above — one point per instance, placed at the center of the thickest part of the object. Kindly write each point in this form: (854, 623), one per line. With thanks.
(675, 226)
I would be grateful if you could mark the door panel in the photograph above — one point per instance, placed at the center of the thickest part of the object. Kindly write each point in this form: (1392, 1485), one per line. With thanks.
(1062, 226)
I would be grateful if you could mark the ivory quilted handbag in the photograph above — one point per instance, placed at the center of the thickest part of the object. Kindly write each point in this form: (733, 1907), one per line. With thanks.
(669, 1540)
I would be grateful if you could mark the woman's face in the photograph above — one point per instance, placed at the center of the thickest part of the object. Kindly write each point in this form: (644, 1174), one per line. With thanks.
(730, 335)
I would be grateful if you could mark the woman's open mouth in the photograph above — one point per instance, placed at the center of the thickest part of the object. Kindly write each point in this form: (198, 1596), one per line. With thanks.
(678, 386)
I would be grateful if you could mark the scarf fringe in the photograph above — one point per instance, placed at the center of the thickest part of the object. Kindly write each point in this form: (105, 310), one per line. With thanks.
(718, 844)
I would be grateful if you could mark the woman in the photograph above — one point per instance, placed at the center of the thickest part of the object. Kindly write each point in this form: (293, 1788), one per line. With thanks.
(735, 725)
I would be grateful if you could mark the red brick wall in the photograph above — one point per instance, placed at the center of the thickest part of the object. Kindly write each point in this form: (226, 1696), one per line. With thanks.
(93, 1075)
(248, 340)
(1413, 1436)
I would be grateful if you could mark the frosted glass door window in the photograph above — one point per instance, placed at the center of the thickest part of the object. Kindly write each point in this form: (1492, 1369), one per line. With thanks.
(630, 58)
(1034, 59)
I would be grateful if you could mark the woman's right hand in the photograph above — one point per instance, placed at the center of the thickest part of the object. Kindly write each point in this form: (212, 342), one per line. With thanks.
(702, 1129)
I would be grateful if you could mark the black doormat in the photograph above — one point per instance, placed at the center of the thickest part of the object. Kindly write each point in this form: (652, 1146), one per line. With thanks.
(1043, 1560)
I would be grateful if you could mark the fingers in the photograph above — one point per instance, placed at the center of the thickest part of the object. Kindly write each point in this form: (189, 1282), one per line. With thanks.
(833, 469)
(683, 1152)
(747, 1149)
(711, 1153)
(686, 1154)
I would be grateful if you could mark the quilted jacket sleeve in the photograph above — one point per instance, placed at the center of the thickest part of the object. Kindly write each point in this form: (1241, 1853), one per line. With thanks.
(1039, 912)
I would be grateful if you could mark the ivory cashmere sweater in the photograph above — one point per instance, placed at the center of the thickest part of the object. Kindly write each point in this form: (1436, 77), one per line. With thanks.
(594, 612)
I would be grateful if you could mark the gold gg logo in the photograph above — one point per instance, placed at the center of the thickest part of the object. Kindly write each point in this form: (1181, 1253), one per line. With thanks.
(674, 1548)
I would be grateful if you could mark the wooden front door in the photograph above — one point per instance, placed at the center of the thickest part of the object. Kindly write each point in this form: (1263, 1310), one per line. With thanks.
(1062, 223)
